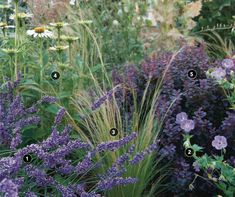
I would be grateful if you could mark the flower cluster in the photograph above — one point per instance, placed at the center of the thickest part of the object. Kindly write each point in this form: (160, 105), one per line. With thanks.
(106, 97)
(14, 116)
(52, 158)
(215, 168)
(185, 124)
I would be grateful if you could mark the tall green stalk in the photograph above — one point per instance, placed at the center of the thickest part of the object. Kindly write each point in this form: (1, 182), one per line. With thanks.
(41, 60)
(16, 36)
(70, 54)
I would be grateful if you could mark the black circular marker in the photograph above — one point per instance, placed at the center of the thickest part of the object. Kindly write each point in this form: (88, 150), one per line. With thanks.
(27, 158)
(55, 75)
(113, 132)
(189, 152)
(192, 74)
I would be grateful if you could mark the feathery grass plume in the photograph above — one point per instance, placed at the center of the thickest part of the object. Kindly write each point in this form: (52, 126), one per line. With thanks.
(141, 109)
(52, 159)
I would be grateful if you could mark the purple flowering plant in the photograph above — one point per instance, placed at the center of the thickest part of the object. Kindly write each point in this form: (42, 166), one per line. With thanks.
(197, 107)
(14, 116)
(228, 80)
(215, 168)
(61, 165)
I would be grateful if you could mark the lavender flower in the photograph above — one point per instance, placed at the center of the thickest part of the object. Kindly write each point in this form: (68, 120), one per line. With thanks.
(85, 194)
(59, 116)
(219, 142)
(114, 145)
(40, 176)
(14, 117)
(30, 194)
(137, 158)
(228, 63)
(66, 191)
(107, 96)
(8, 166)
(108, 184)
(8, 188)
(48, 99)
(181, 117)
(187, 125)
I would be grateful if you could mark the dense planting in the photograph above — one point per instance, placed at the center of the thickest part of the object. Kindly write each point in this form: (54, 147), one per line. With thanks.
(202, 100)
(117, 98)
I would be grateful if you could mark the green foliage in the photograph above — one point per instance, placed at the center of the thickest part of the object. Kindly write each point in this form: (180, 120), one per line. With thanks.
(217, 15)
(211, 165)
(229, 88)
(117, 34)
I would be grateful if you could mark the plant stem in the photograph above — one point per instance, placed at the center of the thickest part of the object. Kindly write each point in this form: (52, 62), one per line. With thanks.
(12, 67)
(58, 36)
(16, 37)
(70, 53)
(41, 60)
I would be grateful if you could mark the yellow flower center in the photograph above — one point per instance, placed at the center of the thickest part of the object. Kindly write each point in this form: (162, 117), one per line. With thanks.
(39, 30)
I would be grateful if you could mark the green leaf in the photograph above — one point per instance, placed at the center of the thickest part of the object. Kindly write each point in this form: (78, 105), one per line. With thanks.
(52, 108)
(196, 148)
(63, 95)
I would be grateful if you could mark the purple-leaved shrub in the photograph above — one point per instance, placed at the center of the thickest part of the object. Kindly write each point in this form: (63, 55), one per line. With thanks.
(201, 100)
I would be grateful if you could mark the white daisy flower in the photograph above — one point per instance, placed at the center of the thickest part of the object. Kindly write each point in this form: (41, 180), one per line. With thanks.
(59, 25)
(58, 48)
(72, 2)
(69, 39)
(5, 26)
(40, 32)
(21, 15)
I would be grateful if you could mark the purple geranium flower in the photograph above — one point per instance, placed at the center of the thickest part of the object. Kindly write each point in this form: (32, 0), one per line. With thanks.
(227, 63)
(219, 142)
(196, 166)
(187, 125)
(218, 73)
(180, 117)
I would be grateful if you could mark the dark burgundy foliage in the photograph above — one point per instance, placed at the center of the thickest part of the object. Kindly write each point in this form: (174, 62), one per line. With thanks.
(202, 99)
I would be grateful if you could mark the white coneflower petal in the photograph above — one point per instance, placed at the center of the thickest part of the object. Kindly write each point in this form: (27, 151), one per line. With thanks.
(69, 39)
(58, 48)
(40, 32)
(59, 24)
(21, 15)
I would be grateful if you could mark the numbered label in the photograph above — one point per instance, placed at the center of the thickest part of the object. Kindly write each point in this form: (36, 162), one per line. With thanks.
(27, 158)
(189, 152)
(113, 132)
(192, 74)
(55, 75)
